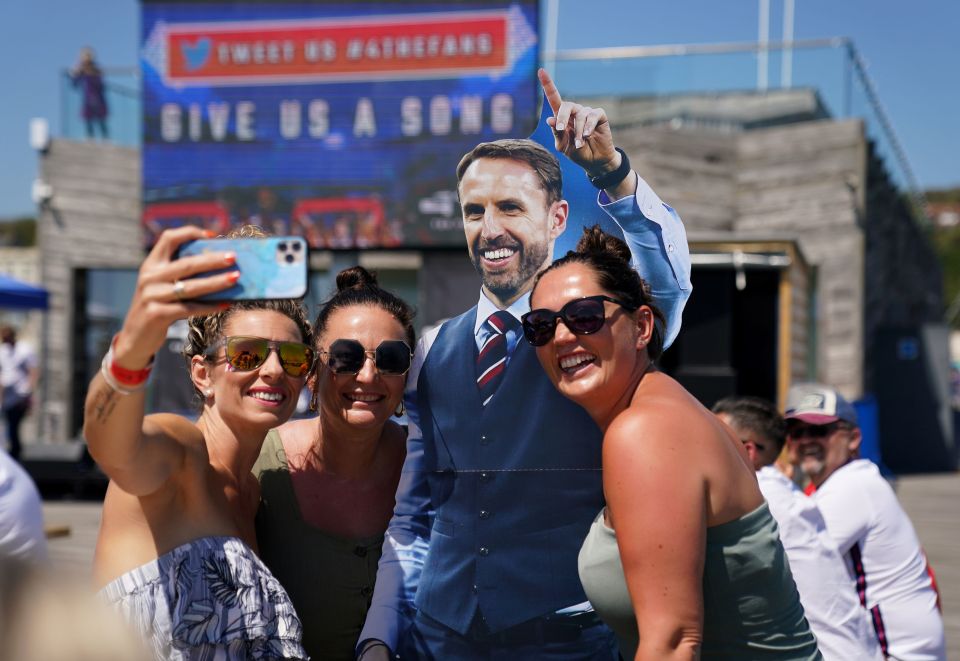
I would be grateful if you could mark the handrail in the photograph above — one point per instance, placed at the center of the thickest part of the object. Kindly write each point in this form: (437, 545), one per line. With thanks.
(663, 50)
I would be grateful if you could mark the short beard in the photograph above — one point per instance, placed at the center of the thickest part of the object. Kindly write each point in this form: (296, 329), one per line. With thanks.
(817, 467)
(506, 286)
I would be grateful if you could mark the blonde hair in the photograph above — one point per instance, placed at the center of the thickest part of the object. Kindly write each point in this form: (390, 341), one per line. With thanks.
(204, 331)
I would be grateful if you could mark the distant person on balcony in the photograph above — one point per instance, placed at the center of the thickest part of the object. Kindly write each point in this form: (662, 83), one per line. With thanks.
(88, 77)
(18, 379)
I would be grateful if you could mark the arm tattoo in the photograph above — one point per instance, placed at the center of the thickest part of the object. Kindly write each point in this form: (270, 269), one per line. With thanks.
(103, 404)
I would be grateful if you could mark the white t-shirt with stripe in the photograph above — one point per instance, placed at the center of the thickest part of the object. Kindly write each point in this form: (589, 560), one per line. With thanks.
(870, 528)
(826, 588)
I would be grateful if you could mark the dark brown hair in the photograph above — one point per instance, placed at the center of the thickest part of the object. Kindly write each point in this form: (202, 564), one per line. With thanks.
(609, 257)
(756, 414)
(544, 163)
(358, 286)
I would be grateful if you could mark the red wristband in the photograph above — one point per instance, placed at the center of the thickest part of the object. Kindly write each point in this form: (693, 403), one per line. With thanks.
(122, 374)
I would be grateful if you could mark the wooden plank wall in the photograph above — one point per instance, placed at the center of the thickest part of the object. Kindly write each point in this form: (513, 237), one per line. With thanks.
(806, 179)
(92, 221)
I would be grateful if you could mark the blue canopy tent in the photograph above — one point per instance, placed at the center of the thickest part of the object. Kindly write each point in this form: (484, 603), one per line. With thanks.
(16, 295)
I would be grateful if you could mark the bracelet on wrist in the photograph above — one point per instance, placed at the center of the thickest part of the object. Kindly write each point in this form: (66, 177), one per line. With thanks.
(614, 177)
(126, 377)
(114, 384)
(120, 379)
(370, 645)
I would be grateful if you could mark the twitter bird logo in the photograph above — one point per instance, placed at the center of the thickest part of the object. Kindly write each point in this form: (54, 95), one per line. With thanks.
(196, 54)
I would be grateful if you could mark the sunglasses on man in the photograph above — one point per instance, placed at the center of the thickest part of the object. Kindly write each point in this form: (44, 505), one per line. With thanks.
(391, 357)
(814, 432)
(583, 316)
(246, 353)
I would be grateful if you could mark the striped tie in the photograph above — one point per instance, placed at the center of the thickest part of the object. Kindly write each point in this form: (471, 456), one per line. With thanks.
(492, 359)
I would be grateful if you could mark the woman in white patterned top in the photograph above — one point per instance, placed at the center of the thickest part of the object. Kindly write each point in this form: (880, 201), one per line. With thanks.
(175, 550)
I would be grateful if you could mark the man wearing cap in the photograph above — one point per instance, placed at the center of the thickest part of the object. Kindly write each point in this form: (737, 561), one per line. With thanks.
(867, 524)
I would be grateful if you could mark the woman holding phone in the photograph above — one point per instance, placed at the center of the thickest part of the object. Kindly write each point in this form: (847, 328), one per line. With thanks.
(685, 562)
(175, 552)
(328, 483)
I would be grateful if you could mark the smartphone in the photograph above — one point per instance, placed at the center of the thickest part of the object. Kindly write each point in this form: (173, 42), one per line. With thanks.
(271, 267)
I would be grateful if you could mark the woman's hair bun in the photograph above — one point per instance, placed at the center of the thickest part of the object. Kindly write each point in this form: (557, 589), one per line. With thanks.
(597, 242)
(355, 277)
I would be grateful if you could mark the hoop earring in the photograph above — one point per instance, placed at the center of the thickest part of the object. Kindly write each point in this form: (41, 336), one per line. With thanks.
(400, 409)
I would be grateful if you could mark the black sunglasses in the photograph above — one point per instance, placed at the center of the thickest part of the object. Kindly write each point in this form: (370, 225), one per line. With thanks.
(582, 316)
(246, 353)
(798, 432)
(348, 357)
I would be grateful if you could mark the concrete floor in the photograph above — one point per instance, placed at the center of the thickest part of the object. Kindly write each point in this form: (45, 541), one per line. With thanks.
(933, 503)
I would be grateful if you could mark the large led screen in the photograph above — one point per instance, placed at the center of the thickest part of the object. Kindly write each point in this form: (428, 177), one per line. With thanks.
(341, 122)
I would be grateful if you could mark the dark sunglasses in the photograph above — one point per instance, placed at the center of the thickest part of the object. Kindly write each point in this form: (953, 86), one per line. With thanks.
(246, 353)
(582, 316)
(348, 357)
(799, 432)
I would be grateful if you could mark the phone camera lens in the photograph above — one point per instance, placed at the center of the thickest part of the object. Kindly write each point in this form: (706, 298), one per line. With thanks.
(296, 247)
(282, 246)
(289, 258)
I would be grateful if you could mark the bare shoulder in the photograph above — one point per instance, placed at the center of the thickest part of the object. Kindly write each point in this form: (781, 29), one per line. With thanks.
(187, 449)
(298, 426)
(661, 410)
(302, 432)
(172, 428)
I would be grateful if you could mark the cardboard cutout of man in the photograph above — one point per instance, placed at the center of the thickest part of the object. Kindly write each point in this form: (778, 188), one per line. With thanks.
(501, 483)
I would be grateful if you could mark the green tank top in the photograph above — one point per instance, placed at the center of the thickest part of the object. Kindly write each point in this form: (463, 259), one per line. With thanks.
(329, 579)
(751, 608)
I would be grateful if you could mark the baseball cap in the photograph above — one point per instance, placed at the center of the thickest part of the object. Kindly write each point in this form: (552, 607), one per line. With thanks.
(817, 404)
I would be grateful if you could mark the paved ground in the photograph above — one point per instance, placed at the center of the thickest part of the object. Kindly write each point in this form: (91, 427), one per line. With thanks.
(933, 503)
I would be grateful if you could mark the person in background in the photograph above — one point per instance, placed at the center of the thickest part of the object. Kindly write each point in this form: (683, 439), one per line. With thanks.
(867, 524)
(88, 77)
(502, 475)
(684, 562)
(176, 549)
(22, 535)
(18, 381)
(826, 588)
(327, 484)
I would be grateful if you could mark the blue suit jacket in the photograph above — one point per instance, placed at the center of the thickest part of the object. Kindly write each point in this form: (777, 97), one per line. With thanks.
(514, 486)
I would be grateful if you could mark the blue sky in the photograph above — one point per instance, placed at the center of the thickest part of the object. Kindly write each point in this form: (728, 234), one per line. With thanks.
(911, 49)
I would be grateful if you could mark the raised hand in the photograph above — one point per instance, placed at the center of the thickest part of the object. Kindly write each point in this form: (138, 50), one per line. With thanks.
(163, 294)
(580, 132)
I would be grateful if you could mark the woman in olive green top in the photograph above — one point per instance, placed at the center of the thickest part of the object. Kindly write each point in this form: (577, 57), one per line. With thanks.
(695, 568)
(328, 483)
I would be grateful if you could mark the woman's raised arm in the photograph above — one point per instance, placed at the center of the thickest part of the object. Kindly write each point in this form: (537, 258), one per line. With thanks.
(140, 454)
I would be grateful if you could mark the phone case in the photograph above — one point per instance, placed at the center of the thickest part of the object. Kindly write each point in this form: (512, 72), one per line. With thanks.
(271, 267)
